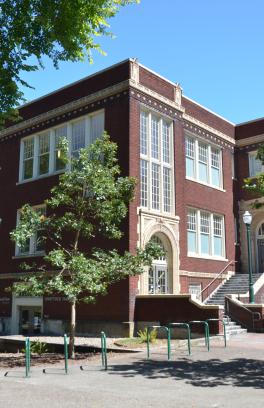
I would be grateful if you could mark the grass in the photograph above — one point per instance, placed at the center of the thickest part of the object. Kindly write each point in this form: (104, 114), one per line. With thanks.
(136, 342)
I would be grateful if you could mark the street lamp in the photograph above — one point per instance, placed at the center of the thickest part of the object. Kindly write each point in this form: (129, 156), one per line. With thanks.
(247, 219)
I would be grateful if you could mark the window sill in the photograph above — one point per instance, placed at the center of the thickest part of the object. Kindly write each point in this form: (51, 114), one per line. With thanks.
(205, 184)
(40, 177)
(22, 256)
(211, 258)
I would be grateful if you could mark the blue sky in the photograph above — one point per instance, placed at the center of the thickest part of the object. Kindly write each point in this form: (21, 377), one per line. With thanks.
(213, 48)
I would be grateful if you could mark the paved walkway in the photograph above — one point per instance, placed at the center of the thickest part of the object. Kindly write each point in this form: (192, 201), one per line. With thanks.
(222, 378)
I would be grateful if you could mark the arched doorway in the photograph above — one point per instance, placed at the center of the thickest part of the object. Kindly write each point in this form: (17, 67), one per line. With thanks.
(260, 248)
(159, 276)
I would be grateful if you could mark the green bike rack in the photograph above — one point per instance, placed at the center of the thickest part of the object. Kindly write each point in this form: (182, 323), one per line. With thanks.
(223, 323)
(206, 331)
(187, 326)
(27, 359)
(168, 338)
(27, 356)
(103, 350)
(65, 353)
(66, 356)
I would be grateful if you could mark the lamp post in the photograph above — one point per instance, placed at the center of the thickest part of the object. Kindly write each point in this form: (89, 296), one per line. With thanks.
(247, 219)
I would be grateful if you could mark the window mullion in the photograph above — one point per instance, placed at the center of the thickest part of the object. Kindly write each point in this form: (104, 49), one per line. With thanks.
(209, 157)
(52, 151)
(221, 168)
(36, 156)
(149, 164)
(196, 160)
(211, 240)
(160, 140)
(69, 138)
(21, 167)
(198, 232)
(87, 131)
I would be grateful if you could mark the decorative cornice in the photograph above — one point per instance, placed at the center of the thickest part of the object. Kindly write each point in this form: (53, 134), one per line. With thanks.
(141, 92)
(249, 141)
(156, 95)
(202, 128)
(74, 107)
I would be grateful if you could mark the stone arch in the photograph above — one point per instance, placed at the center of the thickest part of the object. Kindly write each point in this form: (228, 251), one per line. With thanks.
(169, 237)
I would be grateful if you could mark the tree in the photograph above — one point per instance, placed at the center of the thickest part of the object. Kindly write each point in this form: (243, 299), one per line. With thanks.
(89, 202)
(256, 185)
(62, 30)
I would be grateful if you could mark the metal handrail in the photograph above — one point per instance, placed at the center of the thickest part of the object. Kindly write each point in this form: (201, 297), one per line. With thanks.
(216, 277)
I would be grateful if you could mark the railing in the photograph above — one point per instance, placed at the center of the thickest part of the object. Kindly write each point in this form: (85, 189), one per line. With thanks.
(241, 314)
(204, 293)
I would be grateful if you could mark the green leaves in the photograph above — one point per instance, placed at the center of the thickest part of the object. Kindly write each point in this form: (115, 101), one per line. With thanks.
(256, 185)
(61, 30)
(89, 202)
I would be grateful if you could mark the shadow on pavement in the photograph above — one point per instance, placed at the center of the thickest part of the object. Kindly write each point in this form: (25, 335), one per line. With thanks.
(240, 372)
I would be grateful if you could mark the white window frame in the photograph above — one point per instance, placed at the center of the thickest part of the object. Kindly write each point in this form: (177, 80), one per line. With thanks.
(147, 156)
(252, 164)
(51, 132)
(198, 253)
(195, 289)
(209, 162)
(32, 240)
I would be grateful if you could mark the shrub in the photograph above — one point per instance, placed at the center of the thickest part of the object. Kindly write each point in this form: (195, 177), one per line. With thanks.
(143, 334)
(37, 347)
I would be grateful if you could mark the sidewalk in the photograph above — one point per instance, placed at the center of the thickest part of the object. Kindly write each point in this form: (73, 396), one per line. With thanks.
(222, 378)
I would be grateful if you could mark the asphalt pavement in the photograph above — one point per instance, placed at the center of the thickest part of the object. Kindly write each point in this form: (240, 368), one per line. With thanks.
(231, 377)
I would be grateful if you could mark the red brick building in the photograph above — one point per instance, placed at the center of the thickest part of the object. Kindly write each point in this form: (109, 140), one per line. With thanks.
(190, 163)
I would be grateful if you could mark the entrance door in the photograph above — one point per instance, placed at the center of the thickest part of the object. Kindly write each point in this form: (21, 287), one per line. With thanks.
(260, 255)
(29, 320)
(158, 279)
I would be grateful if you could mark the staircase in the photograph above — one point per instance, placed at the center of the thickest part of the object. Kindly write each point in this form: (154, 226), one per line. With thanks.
(237, 285)
(233, 328)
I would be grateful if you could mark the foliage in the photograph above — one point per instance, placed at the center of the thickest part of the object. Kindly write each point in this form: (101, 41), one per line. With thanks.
(59, 29)
(255, 185)
(88, 205)
(37, 347)
(89, 202)
(143, 335)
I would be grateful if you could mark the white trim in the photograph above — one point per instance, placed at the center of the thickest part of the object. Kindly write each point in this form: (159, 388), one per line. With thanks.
(197, 140)
(160, 162)
(32, 240)
(189, 99)
(212, 258)
(22, 301)
(205, 184)
(51, 132)
(250, 140)
(209, 110)
(197, 231)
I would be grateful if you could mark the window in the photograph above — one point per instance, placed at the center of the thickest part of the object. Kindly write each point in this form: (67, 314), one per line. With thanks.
(195, 289)
(28, 153)
(205, 233)
(203, 162)
(255, 165)
(40, 153)
(44, 153)
(60, 133)
(156, 170)
(158, 272)
(78, 137)
(35, 245)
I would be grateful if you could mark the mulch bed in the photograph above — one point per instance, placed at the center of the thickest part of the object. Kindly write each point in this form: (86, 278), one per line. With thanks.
(10, 360)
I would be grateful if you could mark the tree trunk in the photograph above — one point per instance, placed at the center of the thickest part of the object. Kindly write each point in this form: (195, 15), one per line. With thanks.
(72, 330)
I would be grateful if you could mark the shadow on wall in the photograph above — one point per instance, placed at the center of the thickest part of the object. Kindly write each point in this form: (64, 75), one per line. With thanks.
(239, 372)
